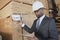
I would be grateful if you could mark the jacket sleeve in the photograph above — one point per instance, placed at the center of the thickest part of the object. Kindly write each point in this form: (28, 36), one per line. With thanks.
(53, 35)
(29, 30)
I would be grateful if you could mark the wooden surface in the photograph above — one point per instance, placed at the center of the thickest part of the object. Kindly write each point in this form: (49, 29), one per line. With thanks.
(3, 3)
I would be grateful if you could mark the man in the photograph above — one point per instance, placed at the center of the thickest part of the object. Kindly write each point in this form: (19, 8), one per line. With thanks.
(43, 27)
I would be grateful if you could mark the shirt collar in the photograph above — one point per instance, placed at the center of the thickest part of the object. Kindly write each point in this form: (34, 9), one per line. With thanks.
(41, 17)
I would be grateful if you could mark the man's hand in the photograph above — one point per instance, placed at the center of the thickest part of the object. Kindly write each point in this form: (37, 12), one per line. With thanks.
(19, 23)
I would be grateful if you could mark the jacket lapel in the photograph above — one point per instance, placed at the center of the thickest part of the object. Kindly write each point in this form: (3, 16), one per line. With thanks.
(43, 21)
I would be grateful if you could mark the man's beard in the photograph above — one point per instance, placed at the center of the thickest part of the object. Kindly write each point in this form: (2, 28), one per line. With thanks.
(39, 16)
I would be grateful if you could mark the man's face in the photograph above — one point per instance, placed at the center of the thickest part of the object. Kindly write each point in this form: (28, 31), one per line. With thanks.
(38, 13)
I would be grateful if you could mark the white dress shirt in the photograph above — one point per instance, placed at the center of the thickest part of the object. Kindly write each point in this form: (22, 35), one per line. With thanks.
(41, 18)
(39, 21)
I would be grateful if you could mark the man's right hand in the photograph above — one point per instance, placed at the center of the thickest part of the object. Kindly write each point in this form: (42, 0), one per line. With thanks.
(19, 23)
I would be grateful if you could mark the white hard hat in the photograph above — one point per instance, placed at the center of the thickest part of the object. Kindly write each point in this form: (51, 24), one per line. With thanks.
(37, 5)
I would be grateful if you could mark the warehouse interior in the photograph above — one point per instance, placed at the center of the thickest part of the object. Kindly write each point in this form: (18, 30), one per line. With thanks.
(10, 31)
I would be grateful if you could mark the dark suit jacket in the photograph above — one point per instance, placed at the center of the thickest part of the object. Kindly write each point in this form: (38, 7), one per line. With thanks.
(47, 29)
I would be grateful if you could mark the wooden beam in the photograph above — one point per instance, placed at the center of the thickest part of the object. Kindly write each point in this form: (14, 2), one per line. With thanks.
(24, 3)
(4, 5)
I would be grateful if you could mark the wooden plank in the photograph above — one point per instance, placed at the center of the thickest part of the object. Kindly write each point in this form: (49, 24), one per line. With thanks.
(57, 1)
(6, 11)
(3, 3)
(21, 8)
(25, 1)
